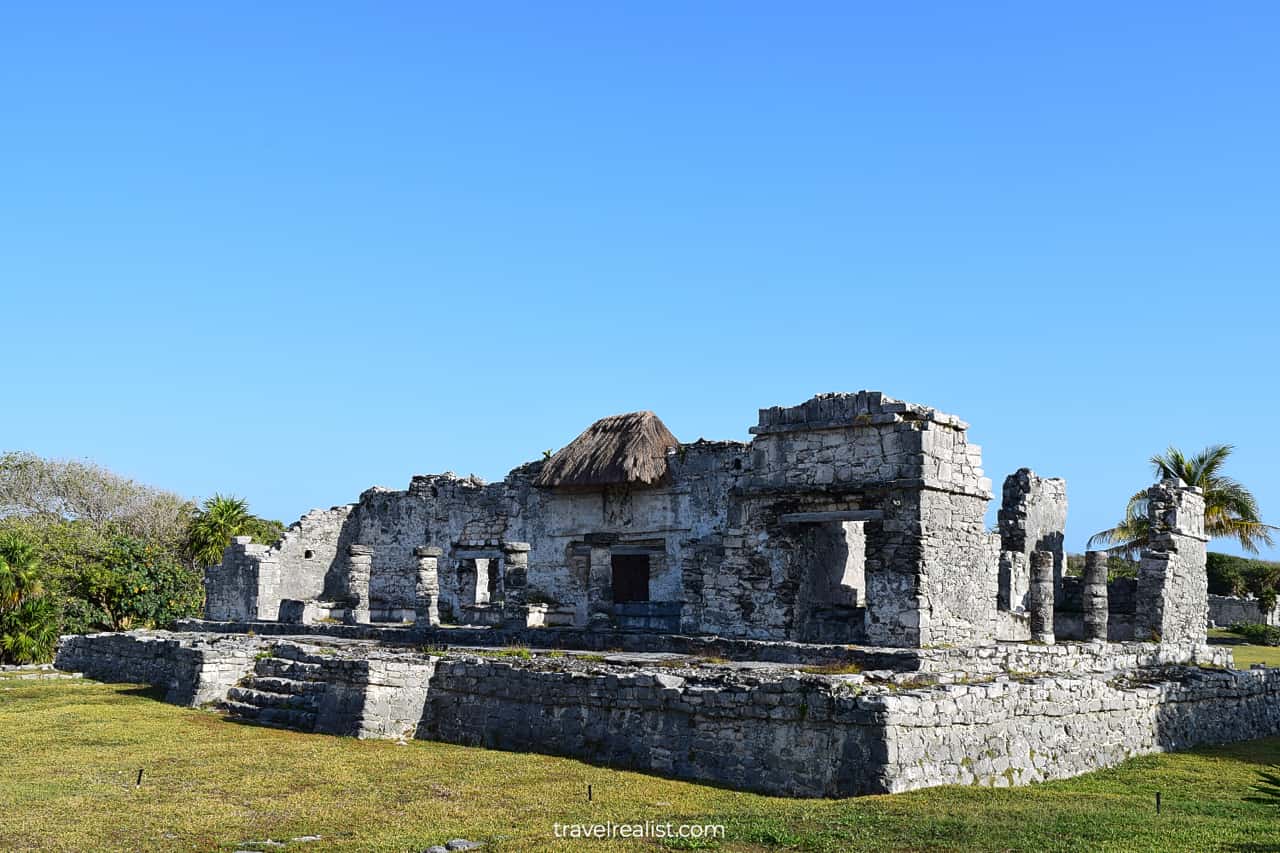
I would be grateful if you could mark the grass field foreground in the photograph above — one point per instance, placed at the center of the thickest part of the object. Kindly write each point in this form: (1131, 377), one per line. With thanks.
(71, 750)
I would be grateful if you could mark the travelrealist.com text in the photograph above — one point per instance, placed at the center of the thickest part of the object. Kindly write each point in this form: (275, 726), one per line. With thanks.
(647, 829)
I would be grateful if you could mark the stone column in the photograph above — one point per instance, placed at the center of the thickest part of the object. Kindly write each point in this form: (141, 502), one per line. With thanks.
(515, 581)
(426, 602)
(1041, 597)
(1173, 584)
(1094, 595)
(600, 587)
(359, 568)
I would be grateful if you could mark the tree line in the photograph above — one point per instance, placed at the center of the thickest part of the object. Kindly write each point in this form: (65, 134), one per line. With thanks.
(83, 549)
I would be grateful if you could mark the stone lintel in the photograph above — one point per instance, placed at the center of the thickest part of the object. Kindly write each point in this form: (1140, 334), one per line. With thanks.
(837, 515)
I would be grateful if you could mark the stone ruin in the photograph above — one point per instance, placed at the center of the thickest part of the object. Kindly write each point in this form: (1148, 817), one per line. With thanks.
(820, 611)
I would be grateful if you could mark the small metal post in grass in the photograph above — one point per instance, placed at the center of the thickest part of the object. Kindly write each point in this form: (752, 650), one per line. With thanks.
(588, 793)
(1157, 802)
(138, 784)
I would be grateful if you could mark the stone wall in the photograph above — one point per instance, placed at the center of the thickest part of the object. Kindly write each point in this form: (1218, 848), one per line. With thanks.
(1227, 610)
(768, 729)
(929, 563)
(791, 737)
(1067, 658)
(1010, 732)
(1032, 517)
(1173, 582)
(243, 585)
(738, 537)
(808, 736)
(312, 550)
(192, 669)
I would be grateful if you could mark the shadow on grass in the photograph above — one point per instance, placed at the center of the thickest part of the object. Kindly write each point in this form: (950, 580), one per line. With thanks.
(145, 691)
(1268, 789)
(1261, 751)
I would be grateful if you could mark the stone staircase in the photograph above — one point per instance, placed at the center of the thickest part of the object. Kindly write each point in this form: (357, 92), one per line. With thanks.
(284, 691)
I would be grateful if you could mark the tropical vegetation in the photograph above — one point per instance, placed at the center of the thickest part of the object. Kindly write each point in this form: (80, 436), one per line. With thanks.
(1231, 511)
(28, 616)
(84, 549)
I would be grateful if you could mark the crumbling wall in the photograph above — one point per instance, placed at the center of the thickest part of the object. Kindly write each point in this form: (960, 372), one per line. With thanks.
(1173, 581)
(1032, 517)
(930, 569)
(245, 585)
(312, 551)
(191, 669)
(726, 553)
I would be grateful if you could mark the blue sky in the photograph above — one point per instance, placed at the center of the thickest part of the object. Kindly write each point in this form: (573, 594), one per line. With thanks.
(292, 250)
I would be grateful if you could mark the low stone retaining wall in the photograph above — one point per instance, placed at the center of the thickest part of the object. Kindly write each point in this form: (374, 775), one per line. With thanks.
(1071, 658)
(790, 736)
(1012, 733)
(754, 727)
(192, 669)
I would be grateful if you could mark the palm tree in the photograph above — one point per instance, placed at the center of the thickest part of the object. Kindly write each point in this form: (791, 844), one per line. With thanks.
(213, 525)
(1230, 510)
(28, 618)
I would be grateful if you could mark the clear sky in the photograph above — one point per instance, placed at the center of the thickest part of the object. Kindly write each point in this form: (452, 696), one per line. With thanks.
(292, 250)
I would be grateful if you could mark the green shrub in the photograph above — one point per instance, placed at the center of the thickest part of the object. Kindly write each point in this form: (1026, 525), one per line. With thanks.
(28, 617)
(136, 584)
(1258, 634)
(1229, 575)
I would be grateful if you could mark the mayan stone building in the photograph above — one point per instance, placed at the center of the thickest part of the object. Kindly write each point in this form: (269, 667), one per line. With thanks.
(849, 518)
(820, 611)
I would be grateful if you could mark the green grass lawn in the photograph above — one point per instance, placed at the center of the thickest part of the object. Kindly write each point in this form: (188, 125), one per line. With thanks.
(1246, 655)
(70, 752)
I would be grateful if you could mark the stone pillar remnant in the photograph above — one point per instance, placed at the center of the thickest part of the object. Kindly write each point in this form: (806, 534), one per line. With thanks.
(1041, 597)
(359, 568)
(1094, 595)
(600, 588)
(515, 577)
(1173, 582)
(426, 602)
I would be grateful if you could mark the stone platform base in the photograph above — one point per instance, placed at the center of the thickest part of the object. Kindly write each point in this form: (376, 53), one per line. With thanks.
(759, 726)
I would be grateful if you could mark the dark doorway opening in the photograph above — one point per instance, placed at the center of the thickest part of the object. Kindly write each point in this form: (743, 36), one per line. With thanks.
(630, 577)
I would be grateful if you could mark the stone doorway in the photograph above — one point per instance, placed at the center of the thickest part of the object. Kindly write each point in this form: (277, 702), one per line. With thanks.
(630, 577)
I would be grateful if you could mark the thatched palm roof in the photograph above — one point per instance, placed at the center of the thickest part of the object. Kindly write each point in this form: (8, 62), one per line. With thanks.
(630, 448)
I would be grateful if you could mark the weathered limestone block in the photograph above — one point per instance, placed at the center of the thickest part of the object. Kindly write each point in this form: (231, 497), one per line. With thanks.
(1173, 583)
(426, 605)
(1041, 597)
(1094, 595)
(359, 569)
